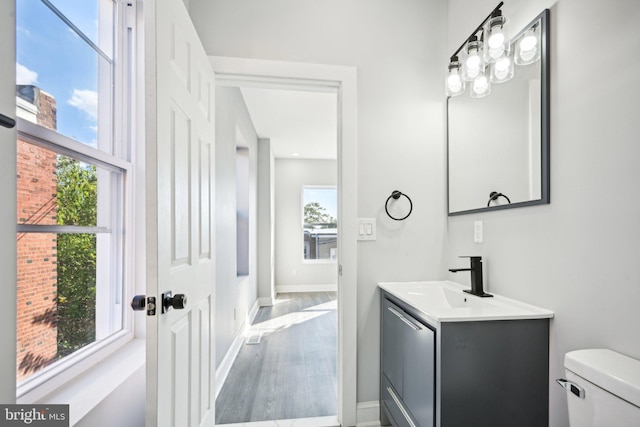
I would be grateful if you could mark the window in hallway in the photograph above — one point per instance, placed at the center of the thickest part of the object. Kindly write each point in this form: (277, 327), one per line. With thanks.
(320, 232)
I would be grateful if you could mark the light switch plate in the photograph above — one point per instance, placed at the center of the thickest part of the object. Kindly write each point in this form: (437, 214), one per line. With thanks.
(478, 232)
(366, 229)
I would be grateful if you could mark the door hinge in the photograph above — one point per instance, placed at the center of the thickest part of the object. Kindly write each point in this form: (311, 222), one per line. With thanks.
(339, 269)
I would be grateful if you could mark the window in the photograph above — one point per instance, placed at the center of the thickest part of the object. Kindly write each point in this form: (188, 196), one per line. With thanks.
(72, 181)
(320, 229)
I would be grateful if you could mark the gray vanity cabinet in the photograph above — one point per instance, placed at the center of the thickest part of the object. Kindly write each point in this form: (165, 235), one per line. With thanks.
(408, 367)
(491, 373)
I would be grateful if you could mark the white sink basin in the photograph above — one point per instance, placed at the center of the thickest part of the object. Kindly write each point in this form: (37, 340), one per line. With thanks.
(458, 299)
(444, 301)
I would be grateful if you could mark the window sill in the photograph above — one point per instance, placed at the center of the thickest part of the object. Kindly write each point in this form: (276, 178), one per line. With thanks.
(87, 390)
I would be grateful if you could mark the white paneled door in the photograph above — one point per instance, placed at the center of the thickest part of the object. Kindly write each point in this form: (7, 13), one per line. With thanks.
(180, 242)
(8, 203)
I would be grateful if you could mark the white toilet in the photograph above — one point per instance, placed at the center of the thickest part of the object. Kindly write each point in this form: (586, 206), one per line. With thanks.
(603, 388)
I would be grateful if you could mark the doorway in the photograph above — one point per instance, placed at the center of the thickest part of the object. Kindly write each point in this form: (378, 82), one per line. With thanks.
(286, 368)
(248, 73)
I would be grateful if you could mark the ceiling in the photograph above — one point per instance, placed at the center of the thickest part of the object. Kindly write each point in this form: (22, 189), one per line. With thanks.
(295, 121)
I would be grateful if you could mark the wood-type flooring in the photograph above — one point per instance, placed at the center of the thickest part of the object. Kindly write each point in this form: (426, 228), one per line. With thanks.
(291, 373)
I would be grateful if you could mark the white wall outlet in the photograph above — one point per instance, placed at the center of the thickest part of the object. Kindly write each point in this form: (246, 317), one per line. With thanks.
(478, 233)
(366, 229)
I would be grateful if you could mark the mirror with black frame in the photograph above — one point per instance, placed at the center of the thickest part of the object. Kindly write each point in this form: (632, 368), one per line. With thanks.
(498, 145)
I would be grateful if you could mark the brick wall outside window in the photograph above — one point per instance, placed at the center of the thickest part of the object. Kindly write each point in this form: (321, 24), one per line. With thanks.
(37, 253)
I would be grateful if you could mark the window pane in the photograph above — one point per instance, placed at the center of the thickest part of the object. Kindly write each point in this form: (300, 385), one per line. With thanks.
(93, 17)
(69, 280)
(77, 192)
(56, 299)
(76, 286)
(320, 223)
(54, 189)
(63, 83)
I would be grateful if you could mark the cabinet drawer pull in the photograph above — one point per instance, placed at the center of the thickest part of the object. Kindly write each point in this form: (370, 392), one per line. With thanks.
(401, 407)
(404, 319)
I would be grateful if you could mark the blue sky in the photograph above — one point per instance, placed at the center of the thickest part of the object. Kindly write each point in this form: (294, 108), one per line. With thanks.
(327, 197)
(51, 56)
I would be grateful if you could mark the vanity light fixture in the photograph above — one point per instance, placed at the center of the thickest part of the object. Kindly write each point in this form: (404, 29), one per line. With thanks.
(528, 46)
(454, 84)
(473, 64)
(481, 86)
(497, 37)
(488, 57)
(502, 70)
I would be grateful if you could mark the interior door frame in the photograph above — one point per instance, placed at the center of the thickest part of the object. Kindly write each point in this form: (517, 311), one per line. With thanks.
(245, 72)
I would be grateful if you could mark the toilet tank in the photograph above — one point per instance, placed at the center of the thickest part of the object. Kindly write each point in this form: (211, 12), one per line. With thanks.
(603, 388)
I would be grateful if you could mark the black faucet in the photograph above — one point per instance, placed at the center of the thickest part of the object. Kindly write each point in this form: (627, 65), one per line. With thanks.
(476, 276)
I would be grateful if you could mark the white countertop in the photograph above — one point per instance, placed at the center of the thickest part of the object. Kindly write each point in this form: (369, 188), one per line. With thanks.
(444, 301)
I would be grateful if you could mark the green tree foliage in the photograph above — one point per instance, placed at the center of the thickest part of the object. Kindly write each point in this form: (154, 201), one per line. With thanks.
(76, 205)
(315, 213)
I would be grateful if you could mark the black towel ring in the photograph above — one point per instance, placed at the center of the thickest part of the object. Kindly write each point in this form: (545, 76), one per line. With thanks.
(494, 195)
(396, 195)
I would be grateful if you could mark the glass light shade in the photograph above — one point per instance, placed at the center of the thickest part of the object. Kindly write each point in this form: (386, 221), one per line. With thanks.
(481, 86)
(502, 70)
(454, 84)
(527, 49)
(473, 63)
(496, 36)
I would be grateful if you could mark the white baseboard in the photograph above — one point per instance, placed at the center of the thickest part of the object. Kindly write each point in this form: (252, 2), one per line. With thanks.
(230, 356)
(251, 315)
(368, 414)
(265, 301)
(306, 288)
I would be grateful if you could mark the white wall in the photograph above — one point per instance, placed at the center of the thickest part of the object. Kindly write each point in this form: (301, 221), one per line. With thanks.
(577, 256)
(234, 296)
(124, 407)
(290, 177)
(266, 222)
(398, 51)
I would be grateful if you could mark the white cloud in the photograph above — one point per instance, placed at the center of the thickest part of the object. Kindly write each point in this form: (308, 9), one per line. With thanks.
(23, 30)
(85, 100)
(25, 76)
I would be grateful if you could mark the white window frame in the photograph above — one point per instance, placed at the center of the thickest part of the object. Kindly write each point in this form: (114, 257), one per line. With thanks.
(301, 239)
(121, 133)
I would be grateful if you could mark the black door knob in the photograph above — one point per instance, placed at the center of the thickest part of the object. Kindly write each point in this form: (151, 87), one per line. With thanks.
(177, 301)
(139, 302)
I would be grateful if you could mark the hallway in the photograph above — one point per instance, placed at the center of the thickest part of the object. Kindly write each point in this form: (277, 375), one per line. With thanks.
(291, 372)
